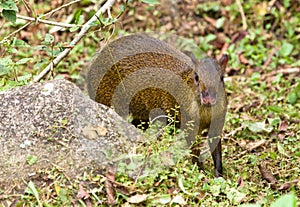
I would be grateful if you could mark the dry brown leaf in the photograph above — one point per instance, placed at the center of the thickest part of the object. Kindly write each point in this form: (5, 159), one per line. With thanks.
(253, 145)
(240, 181)
(92, 132)
(110, 191)
(267, 175)
(288, 185)
(242, 144)
(283, 125)
(243, 60)
(281, 136)
(82, 193)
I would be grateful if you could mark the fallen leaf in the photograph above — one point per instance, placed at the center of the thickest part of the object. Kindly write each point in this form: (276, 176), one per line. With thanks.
(242, 143)
(267, 175)
(283, 125)
(92, 132)
(258, 127)
(281, 136)
(111, 176)
(253, 145)
(178, 200)
(288, 185)
(243, 60)
(240, 181)
(138, 198)
(82, 193)
(281, 149)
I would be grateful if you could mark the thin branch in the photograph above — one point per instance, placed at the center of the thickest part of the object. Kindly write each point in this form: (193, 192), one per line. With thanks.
(77, 38)
(15, 32)
(269, 59)
(245, 26)
(37, 20)
(61, 7)
(40, 20)
(284, 71)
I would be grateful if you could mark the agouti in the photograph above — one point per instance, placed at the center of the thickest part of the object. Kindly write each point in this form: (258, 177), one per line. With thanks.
(137, 74)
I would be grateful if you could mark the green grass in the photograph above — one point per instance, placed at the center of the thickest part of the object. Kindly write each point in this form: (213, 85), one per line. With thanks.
(263, 106)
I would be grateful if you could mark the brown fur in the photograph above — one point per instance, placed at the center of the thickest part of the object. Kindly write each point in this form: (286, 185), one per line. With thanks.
(146, 73)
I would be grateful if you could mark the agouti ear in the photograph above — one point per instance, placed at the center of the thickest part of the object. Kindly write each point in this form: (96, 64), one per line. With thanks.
(192, 56)
(223, 62)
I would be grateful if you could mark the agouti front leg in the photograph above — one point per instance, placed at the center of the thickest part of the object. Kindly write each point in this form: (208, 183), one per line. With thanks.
(216, 152)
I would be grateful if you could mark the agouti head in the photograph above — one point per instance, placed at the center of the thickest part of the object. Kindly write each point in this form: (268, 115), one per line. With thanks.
(210, 86)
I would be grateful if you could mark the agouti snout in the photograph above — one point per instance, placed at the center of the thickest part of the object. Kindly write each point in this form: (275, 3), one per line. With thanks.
(137, 74)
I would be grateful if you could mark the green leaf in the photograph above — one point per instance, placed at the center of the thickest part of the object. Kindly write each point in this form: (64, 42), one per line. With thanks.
(276, 109)
(49, 39)
(292, 97)
(33, 191)
(286, 49)
(281, 149)
(31, 159)
(151, 2)
(78, 16)
(63, 195)
(3, 70)
(258, 127)
(210, 37)
(297, 90)
(73, 29)
(220, 22)
(274, 121)
(234, 195)
(25, 77)
(215, 190)
(288, 200)
(23, 61)
(182, 188)
(9, 5)
(164, 199)
(19, 43)
(6, 61)
(122, 7)
(255, 76)
(10, 15)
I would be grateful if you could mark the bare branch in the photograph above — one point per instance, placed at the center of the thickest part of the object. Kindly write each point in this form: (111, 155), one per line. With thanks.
(31, 19)
(245, 26)
(284, 71)
(83, 31)
(61, 7)
(15, 32)
(37, 20)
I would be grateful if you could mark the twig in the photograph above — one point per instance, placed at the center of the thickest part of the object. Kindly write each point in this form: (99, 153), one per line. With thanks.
(32, 19)
(82, 32)
(284, 71)
(37, 20)
(269, 59)
(15, 32)
(245, 26)
(26, 6)
(61, 7)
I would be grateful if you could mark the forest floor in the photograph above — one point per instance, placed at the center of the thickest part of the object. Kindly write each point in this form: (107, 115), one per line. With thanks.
(261, 138)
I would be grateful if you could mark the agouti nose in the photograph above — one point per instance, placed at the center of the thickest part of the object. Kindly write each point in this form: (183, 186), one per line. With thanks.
(208, 97)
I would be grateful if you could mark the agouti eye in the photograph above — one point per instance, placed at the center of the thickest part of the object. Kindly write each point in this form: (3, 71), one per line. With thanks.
(222, 78)
(196, 78)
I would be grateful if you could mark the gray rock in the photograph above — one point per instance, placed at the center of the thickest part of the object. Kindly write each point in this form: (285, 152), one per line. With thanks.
(55, 123)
